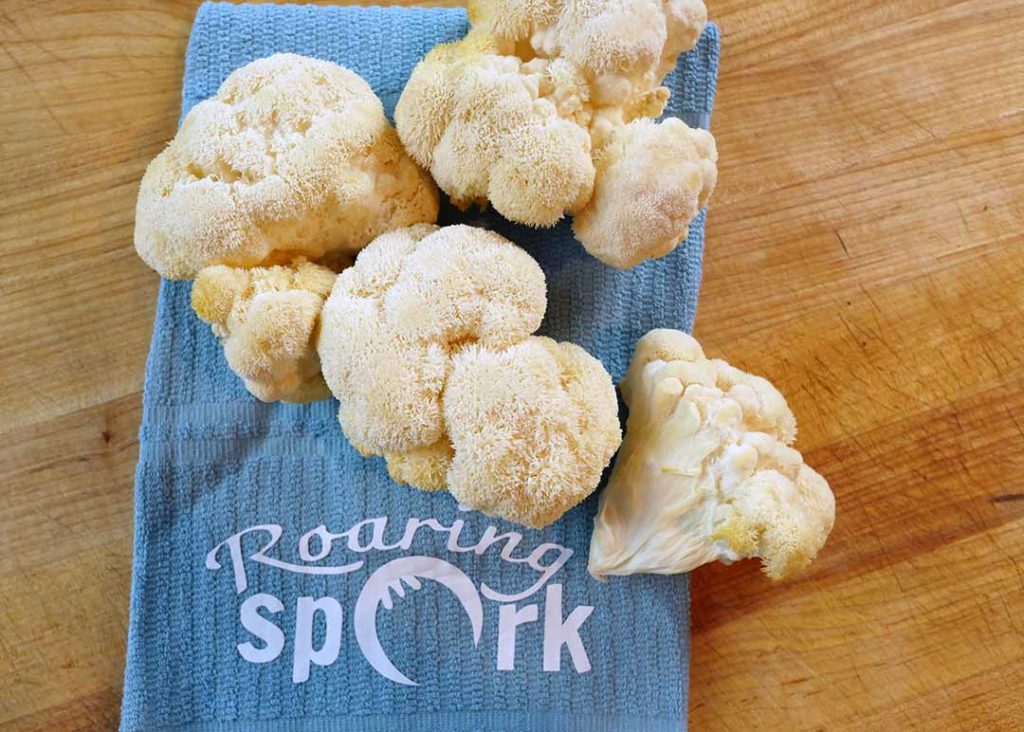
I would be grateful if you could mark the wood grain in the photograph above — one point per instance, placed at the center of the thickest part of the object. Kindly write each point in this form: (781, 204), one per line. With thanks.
(865, 252)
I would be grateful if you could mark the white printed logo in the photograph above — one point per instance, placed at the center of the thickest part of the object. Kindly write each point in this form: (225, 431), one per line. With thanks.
(323, 553)
(377, 591)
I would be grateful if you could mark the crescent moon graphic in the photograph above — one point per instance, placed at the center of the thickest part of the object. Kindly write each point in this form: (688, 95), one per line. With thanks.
(388, 578)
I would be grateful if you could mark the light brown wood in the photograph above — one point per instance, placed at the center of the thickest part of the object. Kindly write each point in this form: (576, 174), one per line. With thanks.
(865, 252)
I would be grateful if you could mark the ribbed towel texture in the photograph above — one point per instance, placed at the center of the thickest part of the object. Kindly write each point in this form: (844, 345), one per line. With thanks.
(282, 582)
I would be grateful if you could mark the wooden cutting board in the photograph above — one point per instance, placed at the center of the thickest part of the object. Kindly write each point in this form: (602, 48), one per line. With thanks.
(865, 252)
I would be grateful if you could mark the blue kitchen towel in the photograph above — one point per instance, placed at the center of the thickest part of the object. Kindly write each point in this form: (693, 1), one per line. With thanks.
(282, 582)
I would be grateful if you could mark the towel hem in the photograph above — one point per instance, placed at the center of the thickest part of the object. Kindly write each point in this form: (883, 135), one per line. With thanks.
(506, 721)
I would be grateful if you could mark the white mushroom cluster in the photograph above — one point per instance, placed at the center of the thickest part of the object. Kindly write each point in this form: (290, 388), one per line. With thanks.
(292, 157)
(546, 109)
(706, 471)
(427, 343)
